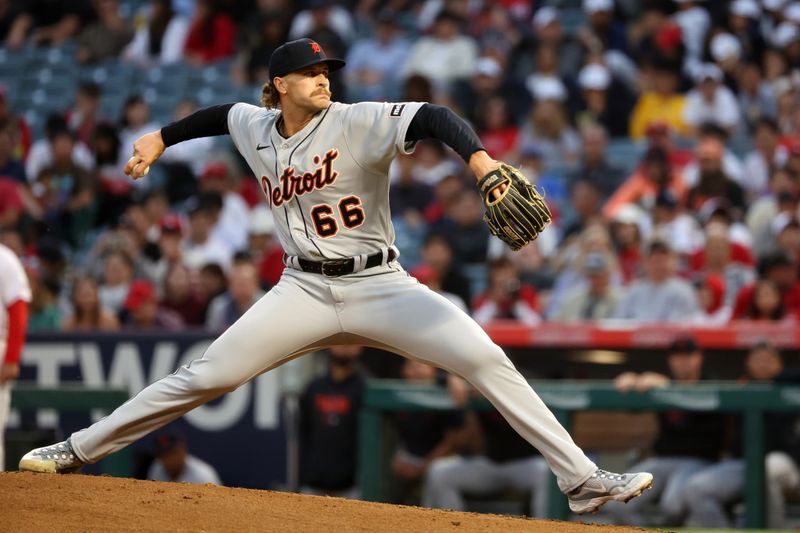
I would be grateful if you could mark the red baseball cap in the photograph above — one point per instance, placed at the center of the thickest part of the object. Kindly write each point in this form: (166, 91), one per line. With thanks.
(140, 292)
(216, 170)
(171, 223)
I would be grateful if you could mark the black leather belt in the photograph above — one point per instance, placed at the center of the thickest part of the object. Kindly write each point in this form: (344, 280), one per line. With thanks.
(340, 267)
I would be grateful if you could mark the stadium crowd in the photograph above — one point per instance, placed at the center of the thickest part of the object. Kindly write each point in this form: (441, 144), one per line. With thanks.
(664, 133)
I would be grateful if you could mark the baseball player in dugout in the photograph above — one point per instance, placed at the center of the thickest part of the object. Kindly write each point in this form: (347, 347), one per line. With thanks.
(323, 167)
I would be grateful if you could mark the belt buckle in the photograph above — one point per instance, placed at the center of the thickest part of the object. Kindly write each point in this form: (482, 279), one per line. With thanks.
(334, 268)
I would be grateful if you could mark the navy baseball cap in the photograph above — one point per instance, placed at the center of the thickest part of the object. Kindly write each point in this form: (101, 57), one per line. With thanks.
(297, 55)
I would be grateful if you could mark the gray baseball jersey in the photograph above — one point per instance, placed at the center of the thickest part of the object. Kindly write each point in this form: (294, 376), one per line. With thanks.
(328, 188)
(328, 184)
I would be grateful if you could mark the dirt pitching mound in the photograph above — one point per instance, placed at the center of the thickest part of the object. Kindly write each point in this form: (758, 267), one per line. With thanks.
(48, 502)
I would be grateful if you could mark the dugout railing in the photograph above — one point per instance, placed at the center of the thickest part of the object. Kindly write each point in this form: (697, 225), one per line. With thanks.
(77, 399)
(383, 397)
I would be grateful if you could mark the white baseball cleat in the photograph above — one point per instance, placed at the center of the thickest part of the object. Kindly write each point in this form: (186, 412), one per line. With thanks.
(59, 458)
(606, 486)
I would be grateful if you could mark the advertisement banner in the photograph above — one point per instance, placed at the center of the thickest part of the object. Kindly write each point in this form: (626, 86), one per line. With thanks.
(241, 434)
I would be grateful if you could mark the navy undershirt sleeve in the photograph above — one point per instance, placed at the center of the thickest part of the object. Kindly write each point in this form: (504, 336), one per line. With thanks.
(206, 122)
(439, 122)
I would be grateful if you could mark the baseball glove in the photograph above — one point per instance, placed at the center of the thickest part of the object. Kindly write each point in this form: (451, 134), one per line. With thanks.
(518, 214)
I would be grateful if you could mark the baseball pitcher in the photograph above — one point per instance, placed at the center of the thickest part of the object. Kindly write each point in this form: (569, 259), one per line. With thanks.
(323, 168)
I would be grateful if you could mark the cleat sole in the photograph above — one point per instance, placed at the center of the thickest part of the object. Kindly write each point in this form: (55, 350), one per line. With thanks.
(33, 465)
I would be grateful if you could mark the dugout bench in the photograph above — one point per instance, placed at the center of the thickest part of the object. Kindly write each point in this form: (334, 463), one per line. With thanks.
(565, 398)
(76, 399)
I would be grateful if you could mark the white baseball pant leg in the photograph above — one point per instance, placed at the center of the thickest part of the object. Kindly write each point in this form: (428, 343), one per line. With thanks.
(287, 321)
(398, 312)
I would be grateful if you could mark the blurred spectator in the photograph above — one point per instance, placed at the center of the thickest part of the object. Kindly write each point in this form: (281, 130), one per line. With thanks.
(585, 204)
(711, 491)
(547, 32)
(766, 156)
(506, 297)
(488, 80)
(329, 411)
(372, 71)
(117, 276)
(547, 128)
(142, 311)
(598, 106)
(114, 186)
(595, 301)
(170, 235)
(497, 130)
(181, 297)
(212, 281)
(660, 135)
(644, 185)
(709, 136)
(66, 192)
(686, 441)
(675, 225)
(8, 13)
(194, 153)
(324, 14)
(212, 34)
(41, 153)
(231, 227)
(21, 135)
(88, 311)
(422, 436)
(243, 291)
(408, 194)
(602, 32)
(199, 246)
(270, 31)
(45, 314)
(756, 97)
(464, 229)
(628, 235)
(710, 101)
(662, 103)
(11, 203)
(659, 295)
(718, 259)
(766, 304)
(568, 264)
(432, 163)
(786, 228)
(743, 22)
(694, 22)
(174, 463)
(161, 39)
(264, 246)
(712, 180)
(426, 275)
(437, 254)
(500, 460)
(134, 123)
(444, 56)
(779, 269)
(594, 166)
(49, 22)
(83, 118)
(107, 36)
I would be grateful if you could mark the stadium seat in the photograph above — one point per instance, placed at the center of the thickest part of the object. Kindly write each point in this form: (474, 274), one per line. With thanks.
(624, 153)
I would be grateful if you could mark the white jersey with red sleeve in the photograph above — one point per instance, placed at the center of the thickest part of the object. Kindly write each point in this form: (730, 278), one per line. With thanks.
(14, 286)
